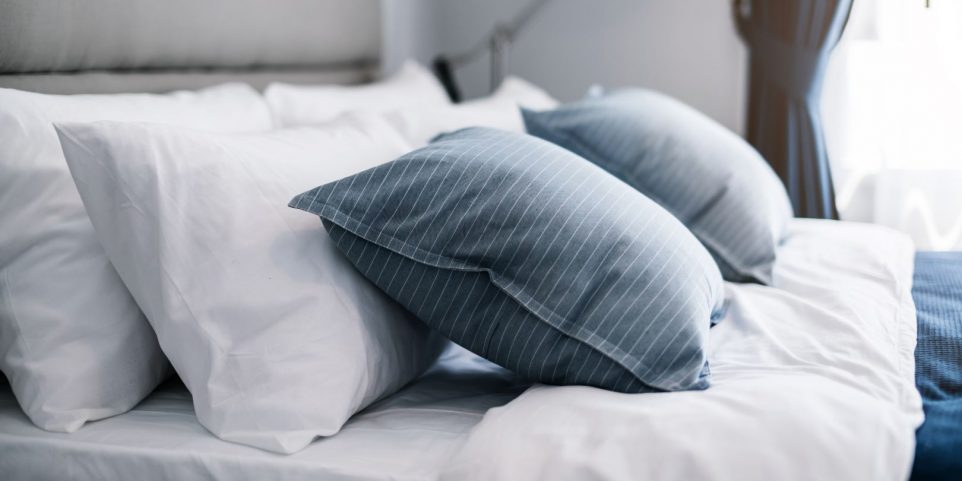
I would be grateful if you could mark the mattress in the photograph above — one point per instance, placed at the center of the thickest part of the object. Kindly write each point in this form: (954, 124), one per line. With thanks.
(407, 436)
(813, 378)
(937, 290)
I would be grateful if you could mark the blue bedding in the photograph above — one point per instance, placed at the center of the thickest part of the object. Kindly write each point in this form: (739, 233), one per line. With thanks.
(937, 291)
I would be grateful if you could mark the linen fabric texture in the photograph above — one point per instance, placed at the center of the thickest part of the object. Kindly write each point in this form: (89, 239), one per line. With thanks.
(277, 336)
(705, 175)
(73, 343)
(298, 105)
(532, 257)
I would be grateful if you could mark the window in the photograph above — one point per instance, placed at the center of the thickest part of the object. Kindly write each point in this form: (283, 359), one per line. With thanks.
(892, 109)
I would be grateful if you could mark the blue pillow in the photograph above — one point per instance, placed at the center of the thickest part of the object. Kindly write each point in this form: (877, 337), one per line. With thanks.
(533, 258)
(708, 177)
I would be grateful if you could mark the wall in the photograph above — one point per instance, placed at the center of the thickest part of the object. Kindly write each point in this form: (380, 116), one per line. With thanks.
(687, 48)
(409, 31)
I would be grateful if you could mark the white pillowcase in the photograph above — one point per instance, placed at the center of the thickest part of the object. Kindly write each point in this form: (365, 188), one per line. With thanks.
(499, 110)
(525, 94)
(73, 343)
(419, 125)
(277, 336)
(297, 105)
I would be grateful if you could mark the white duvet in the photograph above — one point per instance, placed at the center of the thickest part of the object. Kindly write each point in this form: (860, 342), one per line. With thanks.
(813, 379)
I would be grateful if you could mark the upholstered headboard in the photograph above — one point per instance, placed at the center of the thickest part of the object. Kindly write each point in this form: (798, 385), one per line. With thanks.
(109, 46)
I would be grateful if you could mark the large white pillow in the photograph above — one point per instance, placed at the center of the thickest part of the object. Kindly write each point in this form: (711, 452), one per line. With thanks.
(525, 94)
(297, 105)
(277, 336)
(72, 341)
(499, 110)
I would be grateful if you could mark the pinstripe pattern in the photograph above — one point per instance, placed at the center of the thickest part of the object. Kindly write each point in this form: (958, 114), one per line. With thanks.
(533, 258)
(706, 176)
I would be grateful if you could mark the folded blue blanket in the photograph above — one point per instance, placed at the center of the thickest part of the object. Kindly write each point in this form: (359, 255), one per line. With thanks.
(937, 291)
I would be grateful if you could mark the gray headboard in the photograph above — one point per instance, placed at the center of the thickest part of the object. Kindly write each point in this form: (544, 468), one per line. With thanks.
(109, 46)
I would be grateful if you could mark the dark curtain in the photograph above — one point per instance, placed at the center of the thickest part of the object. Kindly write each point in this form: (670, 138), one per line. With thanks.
(790, 42)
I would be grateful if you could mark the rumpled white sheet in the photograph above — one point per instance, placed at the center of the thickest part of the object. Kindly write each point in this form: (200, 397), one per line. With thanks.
(406, 437)
(813, 379)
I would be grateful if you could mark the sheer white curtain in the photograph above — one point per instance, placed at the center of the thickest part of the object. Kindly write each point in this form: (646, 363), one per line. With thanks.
(892, 107)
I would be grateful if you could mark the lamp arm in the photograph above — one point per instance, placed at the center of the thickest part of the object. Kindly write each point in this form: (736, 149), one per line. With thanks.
(497, 42)
(514, 27)
(503, 32)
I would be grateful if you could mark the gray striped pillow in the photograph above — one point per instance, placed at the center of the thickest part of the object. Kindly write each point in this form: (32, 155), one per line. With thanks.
(708, 177)
(532, 257)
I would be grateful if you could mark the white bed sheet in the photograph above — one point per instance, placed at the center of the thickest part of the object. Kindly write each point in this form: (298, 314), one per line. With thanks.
(408, 436)
(813, 379)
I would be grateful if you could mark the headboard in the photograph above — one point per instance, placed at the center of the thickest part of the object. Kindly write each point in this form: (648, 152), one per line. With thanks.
(111, 46)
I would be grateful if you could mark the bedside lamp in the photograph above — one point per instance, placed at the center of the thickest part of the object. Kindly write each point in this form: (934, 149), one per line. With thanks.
(498, 43)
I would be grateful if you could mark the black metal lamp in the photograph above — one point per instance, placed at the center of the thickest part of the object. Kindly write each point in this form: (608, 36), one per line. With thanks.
(498, 43)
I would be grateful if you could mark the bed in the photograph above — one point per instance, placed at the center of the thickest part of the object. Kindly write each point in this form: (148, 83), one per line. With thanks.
(937, 289)
(816, 377)
(783, 405)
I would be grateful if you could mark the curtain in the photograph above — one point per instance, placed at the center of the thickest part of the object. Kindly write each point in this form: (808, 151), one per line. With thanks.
(789, 43)
(892, 110)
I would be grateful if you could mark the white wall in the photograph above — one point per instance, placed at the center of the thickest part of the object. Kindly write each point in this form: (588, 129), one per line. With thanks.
(409, 31)
(687, 48)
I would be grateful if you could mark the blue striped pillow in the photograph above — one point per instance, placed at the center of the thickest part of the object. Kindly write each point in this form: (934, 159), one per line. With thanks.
(708, 177)
(532, 257)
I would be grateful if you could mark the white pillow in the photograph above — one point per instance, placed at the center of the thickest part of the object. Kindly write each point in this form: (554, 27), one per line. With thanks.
(72, 341)
(277, 336)
(525, 94)
(419, 125)
(296, 105)
(500, 110)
